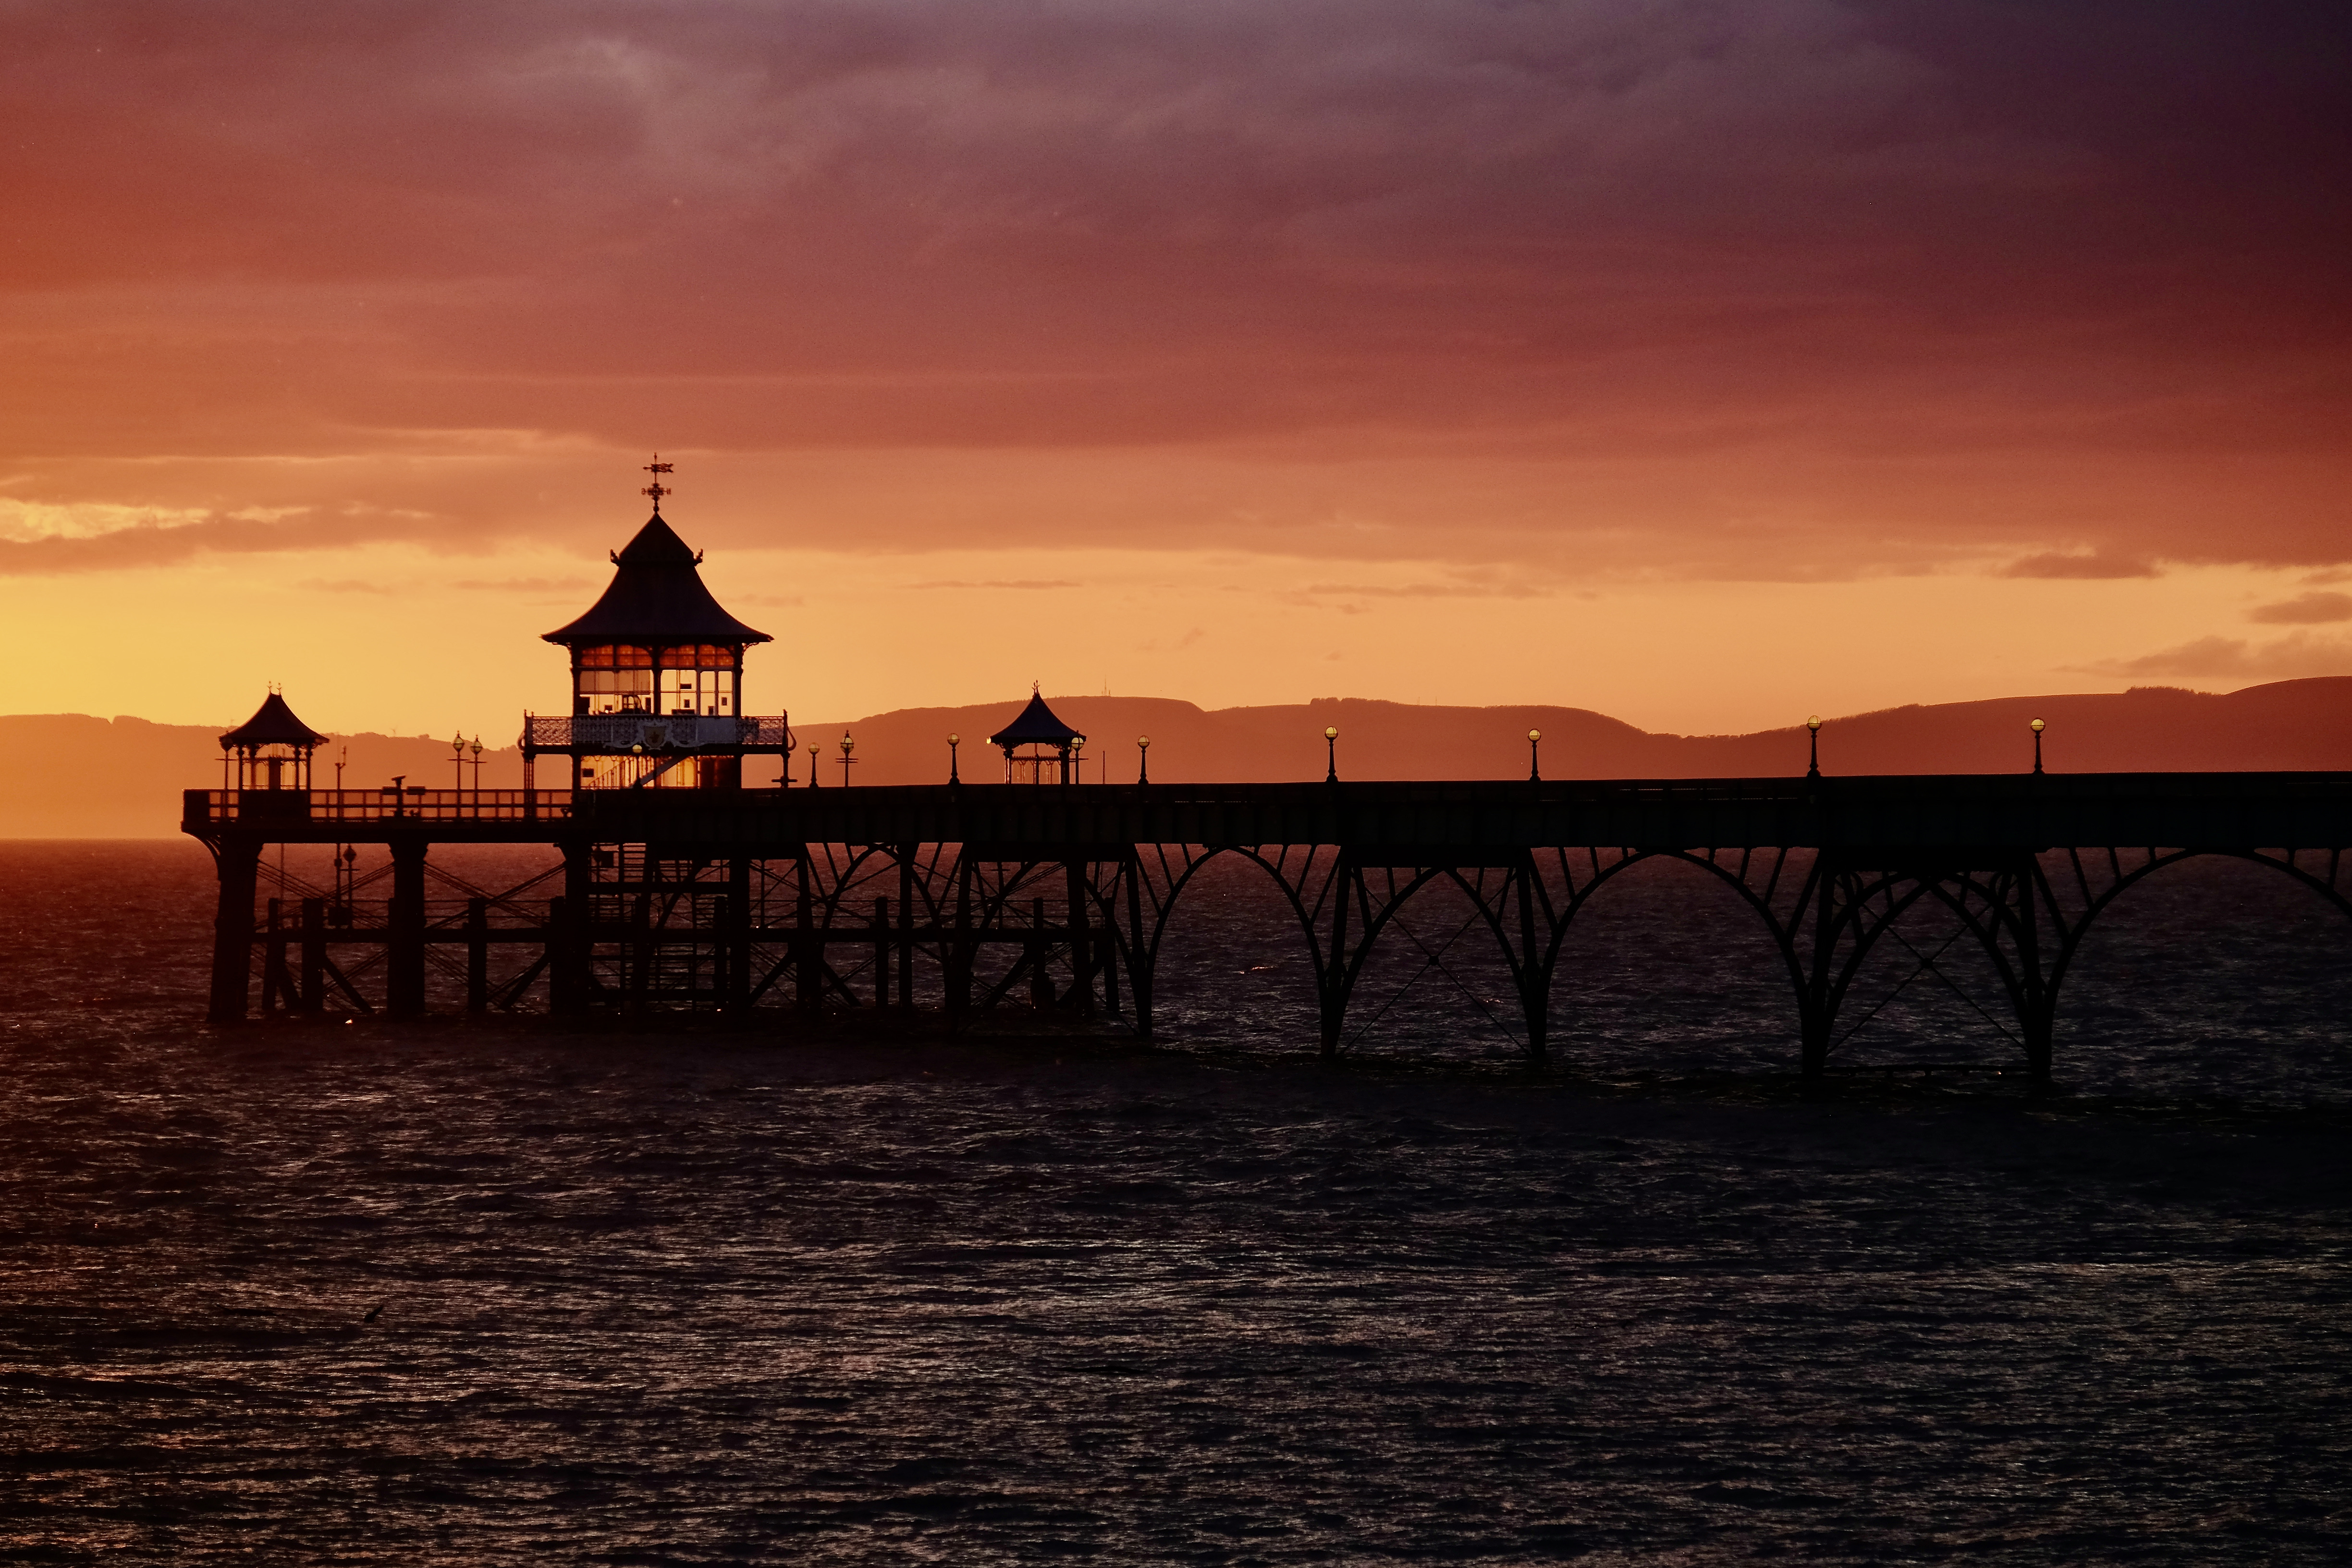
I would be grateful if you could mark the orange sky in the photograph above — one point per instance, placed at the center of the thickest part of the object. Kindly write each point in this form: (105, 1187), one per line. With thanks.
(1706, 363)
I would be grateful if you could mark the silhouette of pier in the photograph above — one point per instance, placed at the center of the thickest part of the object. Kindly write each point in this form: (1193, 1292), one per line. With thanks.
(761, 904)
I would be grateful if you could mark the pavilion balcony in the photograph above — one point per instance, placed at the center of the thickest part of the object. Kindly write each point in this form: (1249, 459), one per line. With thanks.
(654, 734)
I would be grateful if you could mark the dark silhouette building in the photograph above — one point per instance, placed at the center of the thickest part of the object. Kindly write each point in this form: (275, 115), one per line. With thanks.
(1038, 743)
(269, 751)
(656, 678)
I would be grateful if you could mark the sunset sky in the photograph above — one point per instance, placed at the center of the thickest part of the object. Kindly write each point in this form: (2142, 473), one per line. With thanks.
(1704, 364)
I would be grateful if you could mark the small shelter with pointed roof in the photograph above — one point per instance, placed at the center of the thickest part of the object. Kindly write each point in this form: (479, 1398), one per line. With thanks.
(272, 749)
(1037, 741)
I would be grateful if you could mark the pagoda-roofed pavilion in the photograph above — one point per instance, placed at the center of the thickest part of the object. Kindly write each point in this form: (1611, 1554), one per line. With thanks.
(657, 675)
(1037, 741)
(269, 747)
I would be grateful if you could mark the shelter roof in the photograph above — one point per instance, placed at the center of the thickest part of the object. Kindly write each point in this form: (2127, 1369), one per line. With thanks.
(1037, 726)
(657, 596)
(272, 724)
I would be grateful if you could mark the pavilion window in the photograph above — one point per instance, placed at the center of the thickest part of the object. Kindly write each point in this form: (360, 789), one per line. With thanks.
(699, 678)
(614, 679)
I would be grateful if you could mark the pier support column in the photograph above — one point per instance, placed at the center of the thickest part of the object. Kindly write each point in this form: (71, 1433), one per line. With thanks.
(961, 948)
(1535, 971)
(405, 950)
(478, 955)
(1140, 951)
(239, 859)
(735, 949)
(276, 993)
(314, 956)
(568, 987)
(1333, 984)
(906, 853)
(1082, 949)
(1041, 984)
(808, 947)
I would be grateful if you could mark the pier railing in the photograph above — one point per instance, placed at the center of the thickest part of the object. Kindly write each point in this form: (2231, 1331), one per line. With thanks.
(619, 732)
(412, 804)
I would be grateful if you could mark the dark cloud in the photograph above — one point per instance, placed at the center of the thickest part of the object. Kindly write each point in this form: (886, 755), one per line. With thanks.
(164, 544)
(2303, 610)
(2293, 656)
(1870, 277)
(1025, 583)
(525, 584)
(1426, 590)
(2057, 565)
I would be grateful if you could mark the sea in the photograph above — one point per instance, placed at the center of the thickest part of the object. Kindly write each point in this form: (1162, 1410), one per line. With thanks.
(493, 1293)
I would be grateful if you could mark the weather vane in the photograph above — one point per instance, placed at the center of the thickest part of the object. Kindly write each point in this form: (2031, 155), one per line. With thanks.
(657, 490)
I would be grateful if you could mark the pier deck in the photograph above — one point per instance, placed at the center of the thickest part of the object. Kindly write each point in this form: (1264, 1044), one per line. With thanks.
(741, 900)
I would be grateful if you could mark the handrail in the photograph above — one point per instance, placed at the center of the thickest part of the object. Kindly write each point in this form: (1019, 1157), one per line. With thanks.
(648, 731)
(384, 805)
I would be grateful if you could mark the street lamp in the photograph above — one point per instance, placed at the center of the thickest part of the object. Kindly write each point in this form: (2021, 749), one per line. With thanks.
(955, 741)
(1077, 764)
(1535, 761)
(458, 755)
(1813, 770)
(847, 746)
(812, 751)
(477, 749)
(2037, 728)
(1331, 753)
(1143, 759)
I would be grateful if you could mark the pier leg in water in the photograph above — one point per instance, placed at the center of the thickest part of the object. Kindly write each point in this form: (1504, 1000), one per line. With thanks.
(1139, 954)
(314, 956)
(240, 862)
(735, 951)
(961, 951)
(275, 993)
(808, 950)
(405, 953)
(1535, 971)
(569, 972)
(906, 853)
(1334, 981)
(1082, 966)
(478, 955)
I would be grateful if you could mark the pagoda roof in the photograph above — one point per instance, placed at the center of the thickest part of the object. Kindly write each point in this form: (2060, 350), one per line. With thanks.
(272, 724)
(657, 596)
(1038, 726)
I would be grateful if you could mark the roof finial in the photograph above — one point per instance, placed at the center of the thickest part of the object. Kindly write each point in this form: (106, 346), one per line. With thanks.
(657, 490)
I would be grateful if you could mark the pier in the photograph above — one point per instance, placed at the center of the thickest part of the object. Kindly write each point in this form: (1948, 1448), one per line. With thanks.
(756, 905)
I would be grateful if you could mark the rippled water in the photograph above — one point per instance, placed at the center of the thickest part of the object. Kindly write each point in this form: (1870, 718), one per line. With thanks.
(487, 1295)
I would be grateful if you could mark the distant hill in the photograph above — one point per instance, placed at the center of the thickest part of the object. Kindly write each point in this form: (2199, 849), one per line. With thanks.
(80, 777)
(2292, 725)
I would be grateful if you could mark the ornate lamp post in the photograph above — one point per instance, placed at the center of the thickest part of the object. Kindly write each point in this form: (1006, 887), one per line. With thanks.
(812, 751)
(1534, 761)
(477, 749)
(847, 746)
(1814, 769)
(954, 740)
(1143, 759)
(2037, 728)
(458, 755)
(1077, 769)
(1331, 753)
